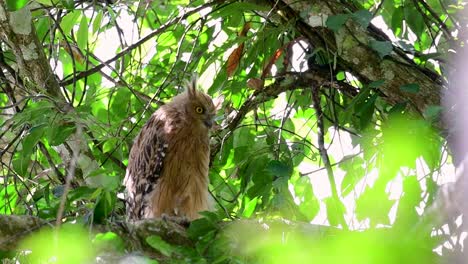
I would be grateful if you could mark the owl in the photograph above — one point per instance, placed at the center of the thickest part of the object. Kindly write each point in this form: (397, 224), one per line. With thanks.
(167, 172)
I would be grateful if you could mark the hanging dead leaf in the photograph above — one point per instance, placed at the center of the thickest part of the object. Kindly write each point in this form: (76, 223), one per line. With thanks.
(234, 58)
(272, 61)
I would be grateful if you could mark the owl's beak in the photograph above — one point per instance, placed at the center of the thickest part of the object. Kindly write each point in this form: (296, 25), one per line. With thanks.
(208, 122)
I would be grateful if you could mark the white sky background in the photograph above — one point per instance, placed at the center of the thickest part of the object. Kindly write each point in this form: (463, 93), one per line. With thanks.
(108, 43)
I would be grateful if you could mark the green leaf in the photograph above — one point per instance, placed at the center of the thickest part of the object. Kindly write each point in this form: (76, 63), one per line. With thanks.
(407, 214)
(8, 197)
(69, 4)
(236, 9)
(397, 20)
(336, 22)
(279, 169)
(82, 34)
(97, 22)
(363, 17)
(414, 19)
(353, 165)
(365, 111)
(109, 240)
(410, 88)
(433, 112)
(23, 158)
(366, 205)
(249, 207)
(383, 48)
(57, 134)
(309, 206)
(200, 227)
(47, 2)
(340, 76)
(13, 5)
(335, 211)
(159, 244)
(69, 21)
(104, 206)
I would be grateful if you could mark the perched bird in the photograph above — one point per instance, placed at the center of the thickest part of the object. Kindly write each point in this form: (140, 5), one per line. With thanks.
(167, 172)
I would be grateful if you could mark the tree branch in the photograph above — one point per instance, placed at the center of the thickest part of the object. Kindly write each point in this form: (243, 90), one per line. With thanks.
(135, 45)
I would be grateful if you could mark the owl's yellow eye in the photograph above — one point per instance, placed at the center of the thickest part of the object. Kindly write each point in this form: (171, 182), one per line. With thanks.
(199, 110)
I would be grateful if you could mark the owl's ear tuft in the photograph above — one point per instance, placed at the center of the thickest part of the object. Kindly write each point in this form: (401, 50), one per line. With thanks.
(191, 87)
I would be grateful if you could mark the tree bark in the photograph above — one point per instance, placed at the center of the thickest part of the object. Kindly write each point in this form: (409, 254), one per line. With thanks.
(350, 45)
(18, 32)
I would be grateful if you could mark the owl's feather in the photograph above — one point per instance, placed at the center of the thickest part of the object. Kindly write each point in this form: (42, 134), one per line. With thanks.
(167, 171)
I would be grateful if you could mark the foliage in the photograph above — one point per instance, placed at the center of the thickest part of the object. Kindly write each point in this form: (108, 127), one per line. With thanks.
(274, 143)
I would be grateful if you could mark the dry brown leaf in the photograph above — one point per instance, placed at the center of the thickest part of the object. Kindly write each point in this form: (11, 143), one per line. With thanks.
(234, 58)
(272, 61)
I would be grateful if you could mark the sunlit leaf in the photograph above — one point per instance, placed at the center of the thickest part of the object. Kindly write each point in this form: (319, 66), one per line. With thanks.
(97, 21)
(109, 240)
(250, 207)
(82, 34)
(69, 20)
(14, 5)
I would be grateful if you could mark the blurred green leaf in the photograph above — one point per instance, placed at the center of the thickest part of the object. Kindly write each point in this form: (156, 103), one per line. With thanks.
(354, 167)
(69, 244)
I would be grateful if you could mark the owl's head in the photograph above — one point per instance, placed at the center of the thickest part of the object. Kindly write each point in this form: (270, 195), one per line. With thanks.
(198, 106)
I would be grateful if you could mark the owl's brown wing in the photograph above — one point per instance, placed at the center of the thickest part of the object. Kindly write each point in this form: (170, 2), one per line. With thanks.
(145, 165)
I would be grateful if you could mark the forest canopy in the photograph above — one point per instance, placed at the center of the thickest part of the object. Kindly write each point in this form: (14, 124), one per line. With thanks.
(339, 139)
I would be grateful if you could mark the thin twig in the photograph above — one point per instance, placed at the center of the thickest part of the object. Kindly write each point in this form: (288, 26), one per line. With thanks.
(71, 173)
(135, 45)
(324, 153)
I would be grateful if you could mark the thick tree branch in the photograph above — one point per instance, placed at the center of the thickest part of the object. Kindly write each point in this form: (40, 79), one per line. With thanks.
(18, 32)
(351, 47)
